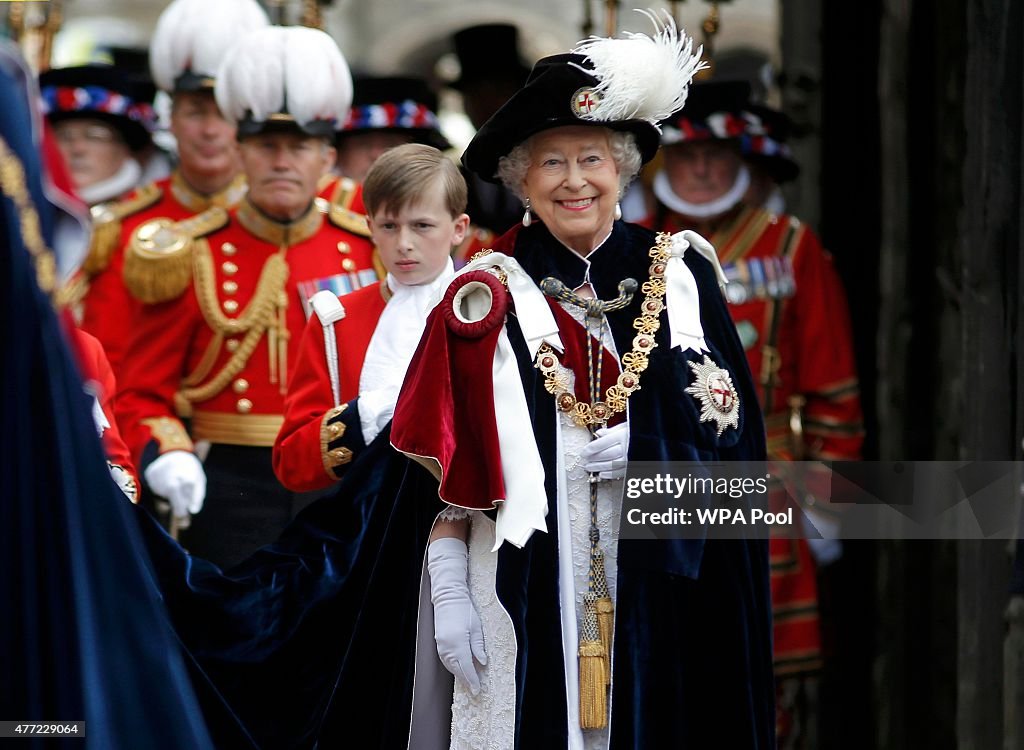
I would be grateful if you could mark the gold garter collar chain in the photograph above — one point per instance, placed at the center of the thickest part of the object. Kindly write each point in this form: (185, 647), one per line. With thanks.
(634, 362)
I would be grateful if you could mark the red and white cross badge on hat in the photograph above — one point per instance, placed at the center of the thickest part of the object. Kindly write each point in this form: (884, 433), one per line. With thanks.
(713, 388)
(585, 101)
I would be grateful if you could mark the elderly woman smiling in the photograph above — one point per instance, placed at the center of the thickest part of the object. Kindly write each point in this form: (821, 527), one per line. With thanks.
(572, 178)
(620, 347)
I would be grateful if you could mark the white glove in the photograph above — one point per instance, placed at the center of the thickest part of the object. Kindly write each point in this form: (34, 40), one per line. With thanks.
(178, 476)
(376, 409)
(457, 630)
(606, 456)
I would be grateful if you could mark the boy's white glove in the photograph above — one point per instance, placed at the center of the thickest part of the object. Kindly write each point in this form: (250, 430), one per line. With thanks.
(376, 409)
(178, 476)
(606, 455)
(457, 629)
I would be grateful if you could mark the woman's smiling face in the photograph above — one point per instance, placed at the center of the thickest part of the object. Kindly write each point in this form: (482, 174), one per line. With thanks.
(573, 184)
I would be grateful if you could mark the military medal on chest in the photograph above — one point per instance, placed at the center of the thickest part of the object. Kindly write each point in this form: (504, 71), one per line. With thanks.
(713, 389)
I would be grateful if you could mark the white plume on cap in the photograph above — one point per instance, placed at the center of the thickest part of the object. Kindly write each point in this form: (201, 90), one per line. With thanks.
(277, 67)
(194, 35)
(642, 77)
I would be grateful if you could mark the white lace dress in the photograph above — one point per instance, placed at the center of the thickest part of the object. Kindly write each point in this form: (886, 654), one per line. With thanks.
(486, 721)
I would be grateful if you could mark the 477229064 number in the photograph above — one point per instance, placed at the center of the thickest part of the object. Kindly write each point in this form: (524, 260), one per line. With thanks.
(68, 729)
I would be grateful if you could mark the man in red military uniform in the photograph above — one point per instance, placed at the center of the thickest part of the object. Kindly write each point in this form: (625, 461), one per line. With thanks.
(790, 311)
(228, 298)
(190, 39)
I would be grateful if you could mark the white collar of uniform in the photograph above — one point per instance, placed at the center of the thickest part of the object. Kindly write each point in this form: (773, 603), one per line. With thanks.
(663, 191)
(123, 180)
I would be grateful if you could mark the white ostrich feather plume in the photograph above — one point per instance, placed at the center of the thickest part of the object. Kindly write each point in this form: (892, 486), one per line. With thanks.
(642, 77)
(195, 35)
(277, 67)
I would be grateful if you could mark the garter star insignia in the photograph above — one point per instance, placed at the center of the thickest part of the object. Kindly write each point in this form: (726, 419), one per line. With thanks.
(713, 388)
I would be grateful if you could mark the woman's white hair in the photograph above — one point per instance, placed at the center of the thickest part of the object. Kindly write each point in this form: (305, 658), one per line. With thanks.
(512, 168)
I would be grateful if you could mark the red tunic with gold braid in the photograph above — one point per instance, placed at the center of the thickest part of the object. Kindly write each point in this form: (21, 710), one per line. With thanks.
(790, 310)
(319, 438)
(108, 310)
(222, 350)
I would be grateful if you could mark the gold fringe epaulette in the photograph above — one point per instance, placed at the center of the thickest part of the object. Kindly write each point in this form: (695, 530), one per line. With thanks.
(344, 192)
(339, 208)
(106, 225)
(348, 220)
(158, 261)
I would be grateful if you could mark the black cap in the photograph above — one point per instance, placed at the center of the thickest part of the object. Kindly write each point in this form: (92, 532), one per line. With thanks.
(488, 52)
(394, 104)
(282, 122)
(558, 89)
(710, 97)
(722, 110)
(100, 92)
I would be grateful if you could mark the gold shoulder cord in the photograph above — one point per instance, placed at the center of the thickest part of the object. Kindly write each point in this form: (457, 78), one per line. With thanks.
(259, 315)
(12, 182)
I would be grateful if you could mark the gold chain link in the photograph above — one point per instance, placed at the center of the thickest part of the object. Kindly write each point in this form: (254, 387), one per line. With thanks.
(634, 362)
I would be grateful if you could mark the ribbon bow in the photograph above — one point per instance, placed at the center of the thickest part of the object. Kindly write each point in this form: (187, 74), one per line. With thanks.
(681, 295)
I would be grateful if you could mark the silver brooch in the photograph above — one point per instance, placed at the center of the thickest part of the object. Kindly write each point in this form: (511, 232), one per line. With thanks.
(713, 388)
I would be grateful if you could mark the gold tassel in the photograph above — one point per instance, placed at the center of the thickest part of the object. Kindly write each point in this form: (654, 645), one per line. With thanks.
(158, 263)
(603, 603)
(593, 670)
(104, 242)
(605, 623)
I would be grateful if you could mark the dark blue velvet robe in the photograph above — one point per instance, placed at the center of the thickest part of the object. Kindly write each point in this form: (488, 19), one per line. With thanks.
(83, 636)
(311, 642)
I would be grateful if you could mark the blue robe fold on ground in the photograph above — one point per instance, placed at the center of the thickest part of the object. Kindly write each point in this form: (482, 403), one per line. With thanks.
(310, 642)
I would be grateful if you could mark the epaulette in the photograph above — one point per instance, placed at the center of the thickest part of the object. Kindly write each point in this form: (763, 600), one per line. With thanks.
(158, 260)
(106, 225)
(344, 192)
(339, 210)
(350, 221)
(327, 306)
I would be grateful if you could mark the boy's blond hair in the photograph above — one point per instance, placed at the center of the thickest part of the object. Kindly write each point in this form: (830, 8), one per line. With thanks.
(401, 175)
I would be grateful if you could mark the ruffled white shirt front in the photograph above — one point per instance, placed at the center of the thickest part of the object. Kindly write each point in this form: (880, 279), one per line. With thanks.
(391, 348)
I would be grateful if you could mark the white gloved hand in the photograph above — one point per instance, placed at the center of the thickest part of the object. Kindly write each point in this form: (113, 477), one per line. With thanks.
(376, 409)
(606, 455)
(178, 476)
(457, 629)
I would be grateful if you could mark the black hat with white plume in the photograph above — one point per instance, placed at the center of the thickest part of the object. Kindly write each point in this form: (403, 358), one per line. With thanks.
(628, 84)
